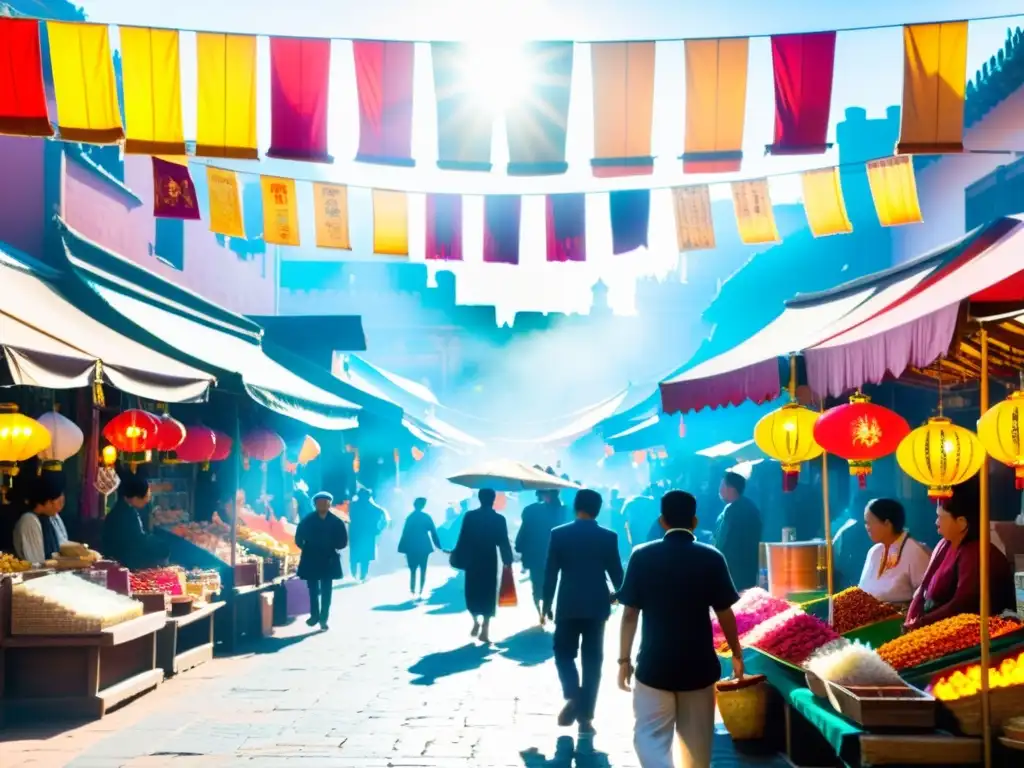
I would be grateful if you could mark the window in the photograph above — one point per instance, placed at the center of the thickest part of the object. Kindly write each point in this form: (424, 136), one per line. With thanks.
(170, 242)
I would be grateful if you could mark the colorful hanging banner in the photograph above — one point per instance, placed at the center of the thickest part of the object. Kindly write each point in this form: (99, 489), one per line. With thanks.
(300, 80)
(894, 190)
(566, 225)
(174, 194)
(384, 81)
(464, 122)
(151, 71)
(444, 227)
(22, 93)
(536, 126)
(390, 223)
(330, 202)
(934, 87)
(225, 202)
(280, 211)
(754, 216)
(716, 104)
(623, 75)
(630, 211)
(226, 96)
(695, 226)
(83, 79)
(803, 66)
(502, 215)
(824, 204)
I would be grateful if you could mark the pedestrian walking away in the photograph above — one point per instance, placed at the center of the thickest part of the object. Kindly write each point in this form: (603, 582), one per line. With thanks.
(419, 539)
(321, 536)
(367, 520)
(539, 519)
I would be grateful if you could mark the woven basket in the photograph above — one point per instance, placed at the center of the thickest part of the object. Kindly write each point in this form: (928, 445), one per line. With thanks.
(743, 704)
(1006, 703)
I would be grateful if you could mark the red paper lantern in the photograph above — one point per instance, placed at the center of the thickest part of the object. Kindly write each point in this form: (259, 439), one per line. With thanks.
(860, 432)
(133, 431)
(198, 446)
(170, 435)
(262, 445)
(222, 449)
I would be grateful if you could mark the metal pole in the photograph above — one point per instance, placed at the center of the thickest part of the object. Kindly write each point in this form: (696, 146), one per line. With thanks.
(984, 537)
(238, 485)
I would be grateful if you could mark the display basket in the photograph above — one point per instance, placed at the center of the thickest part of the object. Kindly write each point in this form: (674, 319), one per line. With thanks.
(1005, 703)
(743, 704)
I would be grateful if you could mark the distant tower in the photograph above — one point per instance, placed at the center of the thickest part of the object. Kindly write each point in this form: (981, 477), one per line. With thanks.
(599, 306)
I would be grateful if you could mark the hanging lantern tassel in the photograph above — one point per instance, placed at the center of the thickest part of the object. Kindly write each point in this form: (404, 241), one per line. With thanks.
(860, 470)
(790, 477)
(98, 398)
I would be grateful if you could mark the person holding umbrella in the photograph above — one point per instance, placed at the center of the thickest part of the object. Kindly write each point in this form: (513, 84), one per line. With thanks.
(321, 536)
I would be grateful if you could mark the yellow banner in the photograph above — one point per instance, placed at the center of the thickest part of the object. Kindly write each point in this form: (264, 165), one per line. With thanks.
(754, 216)
(83, 79)
(280, 211)
(390, 223)
(934, 86)
(824, 204)
(226, 100)
(695, 227)
(151, 70)
(330, 202)
(623, 75)
(894, 190)
(225, 203)
(716, 104)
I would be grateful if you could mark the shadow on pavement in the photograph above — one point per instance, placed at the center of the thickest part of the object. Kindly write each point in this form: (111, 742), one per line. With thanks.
(449, 597)
(408, 605)
(434, 666)
(567, 755)
(528, 647)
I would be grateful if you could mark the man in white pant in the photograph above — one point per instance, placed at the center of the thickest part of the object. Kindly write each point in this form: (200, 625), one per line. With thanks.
(674, 582)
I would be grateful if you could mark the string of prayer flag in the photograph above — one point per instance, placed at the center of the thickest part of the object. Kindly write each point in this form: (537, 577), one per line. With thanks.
(755, 218)
(22, 92)
(824, 204)
(225, 202)
(623, 75)
(630, 212)
(566, 226)
(501, 228)
(444, 227)
(894, 190)
(464, 122)
(226, 96)
(390, 223)
(83, 78)
(716, 104)
(803, 66)
(384, 82)
(280, 211)
(330, 206)
(151, 72)
(300, 74)
(537, 125)
(695, 226)
(174, 193)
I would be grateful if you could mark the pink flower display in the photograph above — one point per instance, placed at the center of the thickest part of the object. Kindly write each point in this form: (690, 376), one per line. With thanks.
(796, 638)
(754, 607)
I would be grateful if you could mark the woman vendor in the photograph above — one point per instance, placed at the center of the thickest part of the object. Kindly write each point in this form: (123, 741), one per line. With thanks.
(39, 532)
(952, 581)
(895, 565)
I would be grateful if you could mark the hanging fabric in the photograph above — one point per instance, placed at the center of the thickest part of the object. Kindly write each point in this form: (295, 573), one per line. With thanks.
(716, 104)
(300, 80)
(623, 75)
(464, 124)
(226, 96)
(22, 92)
(803, 66)
(83, 79)
(934, 87)
(502, 215)
(630, 212)
(566, 220)
(384, 81)
(330, 203)
(536, 126)
(225, 202)
(755, 219)
(824, 204)
(280, 211)
(151, 71)
(174, 193)
(894, 190)
(390, 223)
(444, 227)
(695, 226)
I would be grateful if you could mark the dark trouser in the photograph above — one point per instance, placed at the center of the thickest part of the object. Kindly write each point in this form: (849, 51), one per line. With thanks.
(417, 563)
(537, 584)
(586, 637)
(360, 567)
(320, 592)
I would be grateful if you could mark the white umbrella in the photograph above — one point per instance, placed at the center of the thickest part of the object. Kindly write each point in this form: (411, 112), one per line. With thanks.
(507, 475)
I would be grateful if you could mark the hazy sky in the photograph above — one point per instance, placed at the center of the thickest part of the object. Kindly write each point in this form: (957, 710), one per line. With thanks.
(868, 74)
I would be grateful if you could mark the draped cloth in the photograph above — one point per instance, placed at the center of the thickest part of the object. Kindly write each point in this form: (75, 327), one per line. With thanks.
(623, 75)
(755, 218)
(716, 104)
(536, 126)
(695, 226)
(630, 212)
(444, 227)
(22, 92)
(225, 202)
(803, 66)
(330, 206)
(83, 79)
(894, 191)
(151, 71)
(280, 211)
(384, 82)
(226, 96)
(390, 223)
(465, 124)
(300, 80)
(934, 88)
(502, 215)
(566, 226)
(174, 193)
(824, 204)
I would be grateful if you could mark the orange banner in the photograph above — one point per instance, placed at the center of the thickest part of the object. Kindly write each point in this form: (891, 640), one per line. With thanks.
(754, 216)
(716, 104)
(623, 75)
(894, 190)
(390, 223)
(824, 204)
(280, 211)
(934, 87)
(695, 227)
(225, 203)
(330, 204)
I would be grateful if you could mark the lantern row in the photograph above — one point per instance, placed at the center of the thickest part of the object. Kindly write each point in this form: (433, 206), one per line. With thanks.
(89, 110)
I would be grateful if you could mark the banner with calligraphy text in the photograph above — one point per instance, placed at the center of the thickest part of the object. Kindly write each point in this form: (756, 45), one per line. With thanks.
(225, 202)
(755, 218)
(894, 191)
(280, 211)
(174, 193)
(695, 227)
(330, 206)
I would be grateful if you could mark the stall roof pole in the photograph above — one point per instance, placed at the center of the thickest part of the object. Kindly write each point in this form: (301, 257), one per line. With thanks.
(829, 575)
(985, 536)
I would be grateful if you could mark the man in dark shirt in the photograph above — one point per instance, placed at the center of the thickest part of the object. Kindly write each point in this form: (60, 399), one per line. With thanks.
(533, 538)
(738, 531)
(124, 535)
(675, 583)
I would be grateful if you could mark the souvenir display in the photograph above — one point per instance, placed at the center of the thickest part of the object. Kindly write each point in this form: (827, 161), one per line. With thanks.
(942, 638)
(63, 603)
(796, 638)
(854, 608)
(851, 664)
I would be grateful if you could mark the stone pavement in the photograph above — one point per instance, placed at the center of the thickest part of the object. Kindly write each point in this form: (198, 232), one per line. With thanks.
(393, 684)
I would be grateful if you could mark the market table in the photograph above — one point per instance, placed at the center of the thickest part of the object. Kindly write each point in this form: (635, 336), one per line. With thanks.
(186, 641)
(241, 621)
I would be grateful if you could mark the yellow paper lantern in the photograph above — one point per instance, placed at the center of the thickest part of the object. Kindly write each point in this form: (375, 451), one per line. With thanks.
(310, 450)
(787, 435)
(999, 430)
(21, 438)
(940, 455)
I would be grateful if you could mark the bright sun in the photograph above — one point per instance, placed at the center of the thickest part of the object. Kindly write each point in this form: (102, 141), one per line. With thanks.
(500, 75)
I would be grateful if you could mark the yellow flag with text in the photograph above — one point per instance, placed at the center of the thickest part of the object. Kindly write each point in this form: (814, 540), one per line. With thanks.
(824, 204)
(894, 190)
(755, 218)
(83, 80)
(225, 203)
(152, 91)
(330, 203)
(695, 227)
(280, 211)
(390, 223)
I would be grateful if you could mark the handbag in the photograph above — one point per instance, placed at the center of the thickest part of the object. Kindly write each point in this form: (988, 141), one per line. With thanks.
(507, 592)
(455, 560)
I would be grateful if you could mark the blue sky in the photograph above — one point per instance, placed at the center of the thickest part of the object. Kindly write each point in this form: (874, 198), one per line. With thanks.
(868, 74)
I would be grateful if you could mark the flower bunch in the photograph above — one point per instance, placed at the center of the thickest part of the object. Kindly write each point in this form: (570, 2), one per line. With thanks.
(754, 607)
(853, 608)
(941, 639)
(967, 682)
(795, 639)
(846, 663)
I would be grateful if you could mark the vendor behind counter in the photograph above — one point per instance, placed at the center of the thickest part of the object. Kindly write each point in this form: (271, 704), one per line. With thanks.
(124, 534)
(40, 532)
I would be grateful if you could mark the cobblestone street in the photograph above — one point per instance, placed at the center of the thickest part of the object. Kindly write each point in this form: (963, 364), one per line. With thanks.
(392, 684)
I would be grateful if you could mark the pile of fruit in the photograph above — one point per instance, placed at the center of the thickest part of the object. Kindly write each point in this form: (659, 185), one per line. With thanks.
(263, 541)
(754, 607)
(795, 639)
(162, 516)
(967, 682)
(202, 584)
(12, 564)
(942, 638)
(169, 581)
(208, 536)
(854, 608)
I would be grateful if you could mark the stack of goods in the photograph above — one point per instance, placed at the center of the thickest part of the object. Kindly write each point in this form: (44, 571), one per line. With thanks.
(12, 564)
(966, 682)
(202, 584)
(73, 555)
(263, 541)
(852, 664)
(795, 637)
(854, 608)
(754, 608)
(211, 537)
(960, 692)
(63, 604)
(162, 516)
(957, 633)
(168, 581)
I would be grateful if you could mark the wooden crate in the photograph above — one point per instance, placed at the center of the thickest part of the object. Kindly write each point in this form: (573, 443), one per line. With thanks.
(884, 707)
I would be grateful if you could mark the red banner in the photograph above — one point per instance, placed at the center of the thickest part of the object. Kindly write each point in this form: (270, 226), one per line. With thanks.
(22, 94)
(501, 228)
(384, 80)
(444, 227)
(803, 66)
(300, 74)
(174, 194)
(567, 227)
